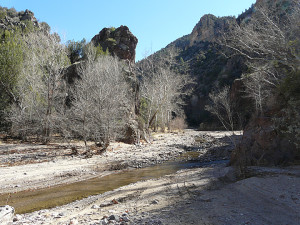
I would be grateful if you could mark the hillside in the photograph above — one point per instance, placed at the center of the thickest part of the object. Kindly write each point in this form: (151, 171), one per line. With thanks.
(257, 56)
(210, 62)
(203, 56)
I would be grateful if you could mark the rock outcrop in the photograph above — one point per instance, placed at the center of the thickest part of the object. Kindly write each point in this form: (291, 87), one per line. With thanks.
(18, 20)
(6, 214)
(28, 15)
(119, 42)
(210, 28)
(263, 145)
(204, 58)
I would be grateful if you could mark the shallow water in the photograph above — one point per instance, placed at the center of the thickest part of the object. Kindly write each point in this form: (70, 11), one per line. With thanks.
(33, 200)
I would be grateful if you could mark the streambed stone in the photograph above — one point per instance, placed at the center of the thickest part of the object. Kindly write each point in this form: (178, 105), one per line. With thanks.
(6, 214)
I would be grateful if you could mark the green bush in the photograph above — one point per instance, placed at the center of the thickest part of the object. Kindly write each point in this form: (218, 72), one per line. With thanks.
(112, 29)
(76, 50)
(45, 26)
(11, 58)
(290, 86)
(111, 41)
(3, 14)
(12, 12)
(288, 125)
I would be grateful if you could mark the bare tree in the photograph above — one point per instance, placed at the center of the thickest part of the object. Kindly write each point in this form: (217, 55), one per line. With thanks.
(223, 108)
(38, 87)
(269, 43)
(100, 100)
(162, 91)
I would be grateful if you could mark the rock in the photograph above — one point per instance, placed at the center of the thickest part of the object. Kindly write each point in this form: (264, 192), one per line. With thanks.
(8, 23)
(155, 202)
(104, 221)
(119, 42)
(106, 204)
(205, 199)
(6, 214)
(230, 174)
(114, 217)
(28, 15)
(125, 218)
(71, 73)
(95, 207)
(73, 222)
(132, 133)
(262, 144)
(210, 28)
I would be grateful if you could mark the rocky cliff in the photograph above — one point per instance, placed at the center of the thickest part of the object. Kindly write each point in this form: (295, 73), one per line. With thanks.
(211, 28)
(119, 42)
(209, 61)
(11, 19)
(203, 56)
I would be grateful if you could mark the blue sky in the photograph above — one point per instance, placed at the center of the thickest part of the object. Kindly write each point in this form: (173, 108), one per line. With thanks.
(155, 23)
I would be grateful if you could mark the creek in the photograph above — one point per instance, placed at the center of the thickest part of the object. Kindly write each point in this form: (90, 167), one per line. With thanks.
(33, 200)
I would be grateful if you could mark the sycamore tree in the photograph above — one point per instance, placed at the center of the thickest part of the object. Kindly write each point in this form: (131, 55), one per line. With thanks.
(75, 50)
(269, 41)
(39, 87)
(99, 102)
(162, 90)
(11, 58)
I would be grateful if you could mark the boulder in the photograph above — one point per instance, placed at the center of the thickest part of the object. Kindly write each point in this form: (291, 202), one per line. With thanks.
(119, 42)
(28, 15)
(6, 214)
(71, 73)
(132, 132)
(262, 144)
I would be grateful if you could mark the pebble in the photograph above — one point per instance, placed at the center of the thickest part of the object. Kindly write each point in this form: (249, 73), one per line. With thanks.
(125, 218)
(95, 207)
(114, 217)
(155, 202)
(104, 221)
(73, 222)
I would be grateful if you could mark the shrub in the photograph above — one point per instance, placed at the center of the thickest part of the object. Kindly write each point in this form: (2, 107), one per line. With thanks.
(12, 12)
(2, 14)
(112, 41)
(112, 29)
(177, 124)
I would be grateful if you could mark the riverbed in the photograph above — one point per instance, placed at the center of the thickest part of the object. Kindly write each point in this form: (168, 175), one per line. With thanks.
(64, 178)
(179, 178)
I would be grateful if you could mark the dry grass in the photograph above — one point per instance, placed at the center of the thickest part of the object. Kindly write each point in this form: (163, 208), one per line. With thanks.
(177, 124)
